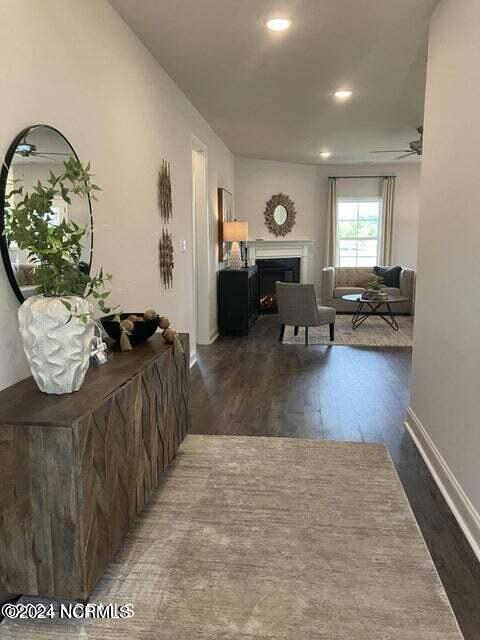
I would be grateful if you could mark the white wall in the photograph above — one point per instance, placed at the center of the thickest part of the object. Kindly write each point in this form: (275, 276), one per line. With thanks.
(446, 357)
(257, 180)
(78, 67)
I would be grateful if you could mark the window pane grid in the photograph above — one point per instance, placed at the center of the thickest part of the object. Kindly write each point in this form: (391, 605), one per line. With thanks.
(357, 232)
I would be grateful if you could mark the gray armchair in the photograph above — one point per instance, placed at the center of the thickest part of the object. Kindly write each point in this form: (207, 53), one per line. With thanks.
(297, 307)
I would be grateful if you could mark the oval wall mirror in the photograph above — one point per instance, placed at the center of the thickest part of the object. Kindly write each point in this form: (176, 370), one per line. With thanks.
(280, 214)
(35, 152)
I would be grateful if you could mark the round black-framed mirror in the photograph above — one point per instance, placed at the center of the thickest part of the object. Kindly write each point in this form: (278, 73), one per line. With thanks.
(33, 153)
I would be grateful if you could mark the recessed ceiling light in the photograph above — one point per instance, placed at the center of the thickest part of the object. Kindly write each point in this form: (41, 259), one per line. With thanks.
(325, 154)
(343, 94)
(278, 24)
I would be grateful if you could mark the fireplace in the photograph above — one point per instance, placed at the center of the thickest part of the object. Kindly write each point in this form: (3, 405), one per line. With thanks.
(271, 270)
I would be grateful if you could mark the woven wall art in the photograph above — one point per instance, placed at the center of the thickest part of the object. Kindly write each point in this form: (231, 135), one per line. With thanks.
(166, 259)
(165, 191)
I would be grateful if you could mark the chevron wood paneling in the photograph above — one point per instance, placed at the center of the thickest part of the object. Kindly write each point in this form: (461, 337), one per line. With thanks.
(71, 489)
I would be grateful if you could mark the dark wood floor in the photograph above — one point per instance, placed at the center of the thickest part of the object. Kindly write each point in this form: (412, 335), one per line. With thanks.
(255, 386)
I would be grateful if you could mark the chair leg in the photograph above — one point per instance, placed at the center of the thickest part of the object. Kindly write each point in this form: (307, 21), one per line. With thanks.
(306, 336)
(295, 331)
(282, 331)
(332, 331)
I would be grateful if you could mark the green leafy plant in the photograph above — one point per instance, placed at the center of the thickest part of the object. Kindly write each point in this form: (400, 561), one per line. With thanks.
(375, 283)
(55, 249)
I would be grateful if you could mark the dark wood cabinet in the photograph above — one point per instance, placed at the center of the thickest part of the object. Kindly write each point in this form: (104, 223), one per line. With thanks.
(237, 300)
(76, 470)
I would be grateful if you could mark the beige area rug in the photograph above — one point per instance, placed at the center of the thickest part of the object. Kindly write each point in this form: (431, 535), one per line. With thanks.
(276, 539)
(374, 332)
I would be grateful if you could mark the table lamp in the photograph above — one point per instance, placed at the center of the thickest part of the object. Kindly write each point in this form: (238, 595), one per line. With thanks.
(235, 232)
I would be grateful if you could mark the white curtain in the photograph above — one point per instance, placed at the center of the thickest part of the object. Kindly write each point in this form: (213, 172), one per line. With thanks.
(331, 236)
(388, 205)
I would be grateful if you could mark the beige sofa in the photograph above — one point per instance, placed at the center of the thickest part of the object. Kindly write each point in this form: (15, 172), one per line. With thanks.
(339, 281)
(23, 274)
(24, 277)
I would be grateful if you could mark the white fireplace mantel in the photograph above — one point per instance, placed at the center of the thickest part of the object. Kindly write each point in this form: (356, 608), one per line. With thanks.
(264, 249)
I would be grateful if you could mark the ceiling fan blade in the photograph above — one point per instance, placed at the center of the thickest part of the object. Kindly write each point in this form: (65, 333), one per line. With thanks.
(410, 153)
(43, 156)
(50, 153)
(391, 151)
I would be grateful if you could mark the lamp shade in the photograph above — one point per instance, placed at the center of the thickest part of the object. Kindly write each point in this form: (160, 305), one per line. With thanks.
(235, 231)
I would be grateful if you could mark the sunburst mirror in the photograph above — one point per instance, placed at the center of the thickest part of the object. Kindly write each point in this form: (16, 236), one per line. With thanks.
(280, 214)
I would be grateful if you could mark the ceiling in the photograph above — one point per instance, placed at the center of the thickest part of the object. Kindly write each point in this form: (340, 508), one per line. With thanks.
(269, 95)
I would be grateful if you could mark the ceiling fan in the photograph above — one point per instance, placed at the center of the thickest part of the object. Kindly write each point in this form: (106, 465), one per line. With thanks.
(27, 149)
(416, 147)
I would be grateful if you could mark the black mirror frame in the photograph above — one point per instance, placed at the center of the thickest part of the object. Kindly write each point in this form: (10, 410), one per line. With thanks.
(3, 188)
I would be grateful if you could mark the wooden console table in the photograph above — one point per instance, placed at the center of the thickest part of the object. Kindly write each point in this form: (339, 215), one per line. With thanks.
(76, 470)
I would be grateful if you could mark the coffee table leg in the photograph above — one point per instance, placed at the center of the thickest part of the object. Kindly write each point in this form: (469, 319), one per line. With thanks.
(359, 315)
(356, 313)
(391, 320)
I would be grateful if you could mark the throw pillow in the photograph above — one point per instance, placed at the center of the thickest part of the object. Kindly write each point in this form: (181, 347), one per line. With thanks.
(390, 275)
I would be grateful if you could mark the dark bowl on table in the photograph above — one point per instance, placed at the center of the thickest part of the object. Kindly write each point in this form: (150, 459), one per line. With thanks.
(141, 330)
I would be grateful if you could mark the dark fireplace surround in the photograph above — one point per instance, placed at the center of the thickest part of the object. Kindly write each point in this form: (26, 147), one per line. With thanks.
(271, 270)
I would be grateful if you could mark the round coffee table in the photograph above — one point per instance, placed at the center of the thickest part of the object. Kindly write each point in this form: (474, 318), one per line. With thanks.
(366, 308)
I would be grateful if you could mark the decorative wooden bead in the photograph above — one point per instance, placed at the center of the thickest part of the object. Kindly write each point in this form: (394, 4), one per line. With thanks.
(169, 336)
(150, 314)
(127, 325)
(164, 322)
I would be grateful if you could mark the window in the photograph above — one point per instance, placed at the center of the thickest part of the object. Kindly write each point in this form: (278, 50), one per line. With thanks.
(358, 231)
(58, 212)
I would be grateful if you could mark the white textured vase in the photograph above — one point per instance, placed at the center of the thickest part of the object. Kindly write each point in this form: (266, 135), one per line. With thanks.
(57, 345)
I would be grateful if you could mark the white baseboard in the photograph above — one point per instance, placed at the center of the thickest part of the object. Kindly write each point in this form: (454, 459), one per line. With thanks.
(462, 508)
(213, 337)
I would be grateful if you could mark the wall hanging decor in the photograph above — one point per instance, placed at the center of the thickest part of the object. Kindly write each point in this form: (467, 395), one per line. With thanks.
(166, 259)
(225, 214)
(280, 214)
(165, 191)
